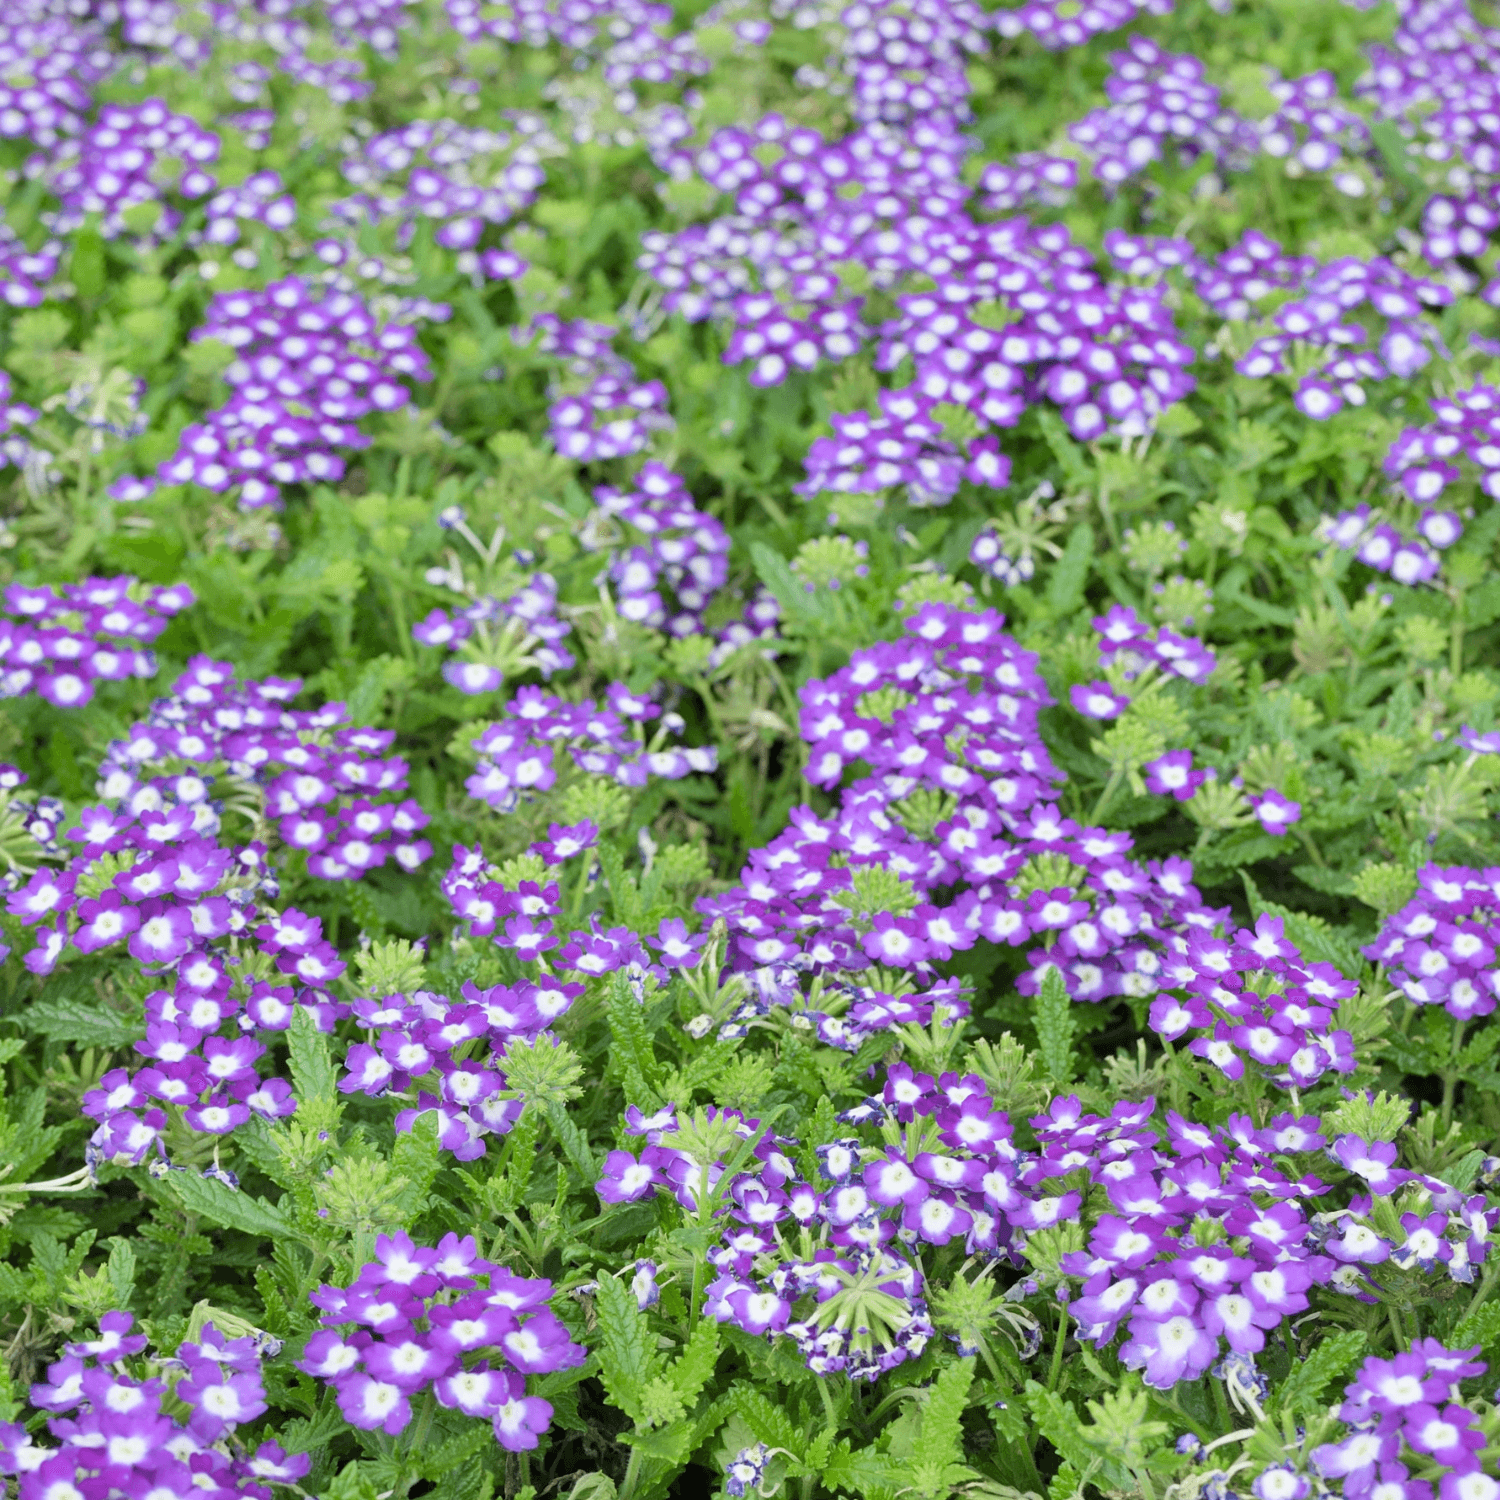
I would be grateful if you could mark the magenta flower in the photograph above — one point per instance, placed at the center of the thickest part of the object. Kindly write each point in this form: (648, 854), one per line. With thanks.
(368, 1403)
(1097, 700)
(1173, 775)
(1276, 813)
(1176, 1349)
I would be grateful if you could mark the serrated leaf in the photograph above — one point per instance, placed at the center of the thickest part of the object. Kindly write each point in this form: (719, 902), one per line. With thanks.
(313, 1073)
(803, 611)
(627, 1349)
(1058, 1422)
(867, 1474)
(633, 1049)
(1055, 1027)
(670, 1445)
(84, 1022)
(939, 1444)
(1066, 585)
(769, 1422)
(574, 1143)
(694, 1367)
(1481, 1326)
(416, 1156)
(1302, 1390)
(940, 1440)
(225, 1206)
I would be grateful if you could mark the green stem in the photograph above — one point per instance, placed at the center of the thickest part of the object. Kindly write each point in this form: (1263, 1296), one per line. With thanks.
(1110, 788)
(1456, 645)
(1451, 1073)
(581, 889)
(1057, 1350)
(632, 1475)
(828, 1407)
(1311, 847)
(403, 630)
(1396, 1328)
(1221, 1405)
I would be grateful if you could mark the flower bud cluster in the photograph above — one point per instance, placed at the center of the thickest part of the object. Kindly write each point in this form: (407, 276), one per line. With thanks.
(125, 161)
(517, 755)
(458, 177)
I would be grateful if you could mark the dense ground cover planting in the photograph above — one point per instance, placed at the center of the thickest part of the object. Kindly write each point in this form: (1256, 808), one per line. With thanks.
(749, 748)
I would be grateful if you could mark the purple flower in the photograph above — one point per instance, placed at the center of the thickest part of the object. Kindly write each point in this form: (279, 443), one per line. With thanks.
(1178, 1348)
(368, 1403)
(1276, 813)
(1374, 1162)
(625, 1179)
(1097, 700)
(1173, 774)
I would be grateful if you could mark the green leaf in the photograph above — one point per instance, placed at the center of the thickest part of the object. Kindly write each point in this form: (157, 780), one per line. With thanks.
(870, 1475)
(87, 268)
(313, 1074)
(574, 1142)
(352, 1482)
(84, 1022)
(121, 1268)
(768, 1421)
(670, 1444)
(694, 1367)
(417, 1157)
(939, 1444)
(1058, 1422)
(1066, 585)
(633, 1052)
(1302, 1390)
(1481, 1326)
(226, 1206)
(1055, 1027)
(627, 1349)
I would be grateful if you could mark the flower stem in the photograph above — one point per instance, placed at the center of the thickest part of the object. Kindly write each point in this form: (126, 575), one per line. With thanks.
(1057, 1349)
(1110, 788)
(632, 1475)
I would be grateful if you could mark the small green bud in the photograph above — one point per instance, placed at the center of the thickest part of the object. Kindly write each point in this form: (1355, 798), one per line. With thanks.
(394, 967)
(1378, 1118)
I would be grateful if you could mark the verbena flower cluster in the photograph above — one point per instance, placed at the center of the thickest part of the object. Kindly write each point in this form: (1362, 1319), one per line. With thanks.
(61, 642)
(442, 1321)
(710, 780)
(152, 1423)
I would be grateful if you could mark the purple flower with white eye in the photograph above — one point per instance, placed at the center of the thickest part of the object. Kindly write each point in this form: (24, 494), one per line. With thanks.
(678, 949)
(1173, 775)
(1178, 1348)
(1276, 812)
(220, 1399)
(1375, 1162)
(1097, 700)
(1447, 1435)
(368, 1404)
(520, 1421)
(625, 1179)
(643, 1284)
(1280, 1482)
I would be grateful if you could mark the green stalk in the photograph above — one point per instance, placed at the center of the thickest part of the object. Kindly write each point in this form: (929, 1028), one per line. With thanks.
(1055, 1373)
(632, 1475)
(1110, 788)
